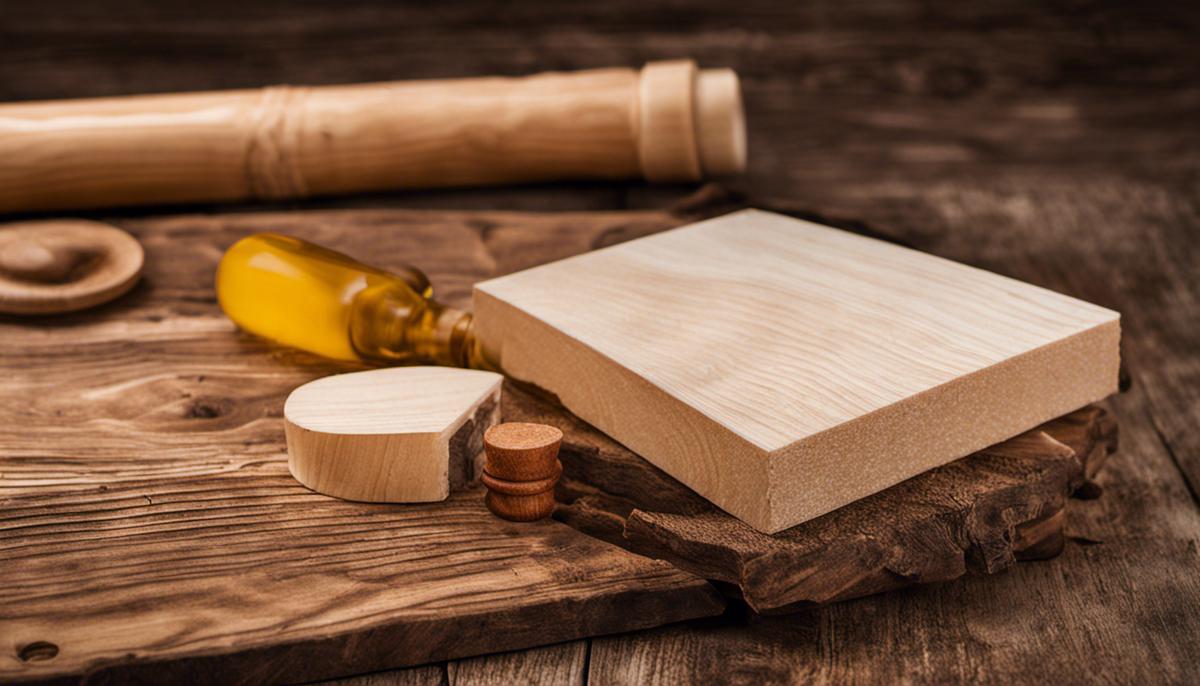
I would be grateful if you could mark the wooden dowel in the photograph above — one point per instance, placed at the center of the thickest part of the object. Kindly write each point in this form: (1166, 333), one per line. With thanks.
(666, 122)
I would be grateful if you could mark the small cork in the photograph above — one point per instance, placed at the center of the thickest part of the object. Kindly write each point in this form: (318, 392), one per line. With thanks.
(521, 469)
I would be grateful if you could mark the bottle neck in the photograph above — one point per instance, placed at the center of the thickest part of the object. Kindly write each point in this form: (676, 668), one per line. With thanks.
(450, 340)
(393, 325)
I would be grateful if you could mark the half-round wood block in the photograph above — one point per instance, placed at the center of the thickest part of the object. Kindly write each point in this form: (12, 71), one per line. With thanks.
(64, 265)
(399, 435)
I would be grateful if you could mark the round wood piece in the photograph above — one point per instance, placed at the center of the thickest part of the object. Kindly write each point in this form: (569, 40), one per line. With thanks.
(53, 266)
(521, 470)
(519, 451)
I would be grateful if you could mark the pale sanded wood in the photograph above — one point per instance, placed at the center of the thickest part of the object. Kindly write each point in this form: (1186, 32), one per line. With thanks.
(720, 122)
(783, 369)
(287, 141)
(64, 265)
(404, 435)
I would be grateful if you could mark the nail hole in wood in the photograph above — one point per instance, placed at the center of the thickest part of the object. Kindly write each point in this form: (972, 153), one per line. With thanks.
(37, 651)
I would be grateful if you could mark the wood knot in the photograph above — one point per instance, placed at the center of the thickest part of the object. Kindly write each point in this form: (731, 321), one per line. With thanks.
(521, 470)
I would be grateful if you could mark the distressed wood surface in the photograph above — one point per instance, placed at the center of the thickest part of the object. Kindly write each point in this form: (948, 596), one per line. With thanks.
(1052, 142)
(253, 579)
(979, 514)
(151, 532)
(564, 664)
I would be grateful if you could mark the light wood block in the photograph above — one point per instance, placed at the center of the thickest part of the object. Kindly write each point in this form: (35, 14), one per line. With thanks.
(782, 369)
(402, 435)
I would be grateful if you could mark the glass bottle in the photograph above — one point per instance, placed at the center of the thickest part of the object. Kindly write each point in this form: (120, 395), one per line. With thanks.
(308, 297)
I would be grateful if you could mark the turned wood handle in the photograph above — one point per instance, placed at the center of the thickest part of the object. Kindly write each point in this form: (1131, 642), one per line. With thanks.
(666, 122)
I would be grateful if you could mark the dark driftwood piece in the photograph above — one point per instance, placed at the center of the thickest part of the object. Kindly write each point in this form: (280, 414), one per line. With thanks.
(978, 514)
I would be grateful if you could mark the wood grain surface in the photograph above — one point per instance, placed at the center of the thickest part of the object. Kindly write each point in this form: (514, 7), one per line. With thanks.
(772, 365)
(152, 533)
(1051, 142)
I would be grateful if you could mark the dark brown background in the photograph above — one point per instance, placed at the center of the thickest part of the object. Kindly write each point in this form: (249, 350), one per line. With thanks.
(1058, 143)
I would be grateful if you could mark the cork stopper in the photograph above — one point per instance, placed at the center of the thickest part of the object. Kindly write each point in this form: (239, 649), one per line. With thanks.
(521, 469)
(54, 266)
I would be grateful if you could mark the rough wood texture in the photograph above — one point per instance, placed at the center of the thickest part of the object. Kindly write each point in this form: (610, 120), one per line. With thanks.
(556, 665)
(404, 435)
(1052, 142)
(564, 664)
(977, 514)
(783, 369)
(250, 579)
(150, 530)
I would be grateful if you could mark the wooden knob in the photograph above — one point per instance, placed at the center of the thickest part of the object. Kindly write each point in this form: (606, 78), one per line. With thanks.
(64, 265)
(521, 469)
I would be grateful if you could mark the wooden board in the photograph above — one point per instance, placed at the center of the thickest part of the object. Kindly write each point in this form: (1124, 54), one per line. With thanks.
(782, 369)
(150, 531)
(248, 579)
(978, 514)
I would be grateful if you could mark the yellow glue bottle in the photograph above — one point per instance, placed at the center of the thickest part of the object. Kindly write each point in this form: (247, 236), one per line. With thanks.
(308, 297)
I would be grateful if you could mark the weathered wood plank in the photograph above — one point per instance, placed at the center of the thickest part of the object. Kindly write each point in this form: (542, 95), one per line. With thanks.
(563, 664)
(150, 530)
(162, 368)
(245, 578)
(427, 675)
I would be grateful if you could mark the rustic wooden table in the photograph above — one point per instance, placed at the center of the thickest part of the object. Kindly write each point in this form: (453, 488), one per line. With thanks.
(1057, 144)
